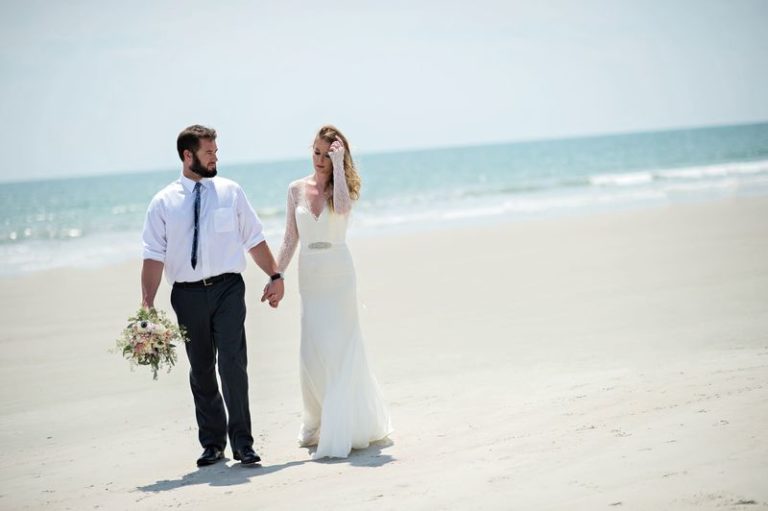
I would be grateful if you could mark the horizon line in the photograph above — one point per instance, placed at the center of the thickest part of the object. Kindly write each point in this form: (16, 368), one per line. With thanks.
(402, 150)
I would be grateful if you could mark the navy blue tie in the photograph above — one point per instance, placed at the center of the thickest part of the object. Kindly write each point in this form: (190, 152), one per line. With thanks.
(197, 225)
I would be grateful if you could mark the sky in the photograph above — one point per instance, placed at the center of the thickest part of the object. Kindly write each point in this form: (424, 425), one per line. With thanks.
(95, 87)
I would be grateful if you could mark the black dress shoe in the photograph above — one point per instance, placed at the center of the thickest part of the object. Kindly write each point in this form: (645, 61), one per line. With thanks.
(246, 456)
(210, 456)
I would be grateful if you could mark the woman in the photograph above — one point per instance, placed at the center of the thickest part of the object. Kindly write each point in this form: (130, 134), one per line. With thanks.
(343, 408)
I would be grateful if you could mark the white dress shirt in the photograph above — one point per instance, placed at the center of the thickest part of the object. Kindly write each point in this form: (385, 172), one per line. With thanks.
(228, 228)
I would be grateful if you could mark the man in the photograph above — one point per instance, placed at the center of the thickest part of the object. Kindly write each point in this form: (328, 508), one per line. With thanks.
(197, 229)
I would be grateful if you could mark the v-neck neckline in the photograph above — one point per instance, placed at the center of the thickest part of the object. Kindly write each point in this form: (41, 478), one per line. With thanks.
(308, 205)
(316, 218)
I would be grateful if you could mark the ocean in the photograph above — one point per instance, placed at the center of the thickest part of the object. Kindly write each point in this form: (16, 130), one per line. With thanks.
(96, 221)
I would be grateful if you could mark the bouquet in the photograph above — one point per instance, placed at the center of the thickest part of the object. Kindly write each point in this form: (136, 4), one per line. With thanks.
(149, 339)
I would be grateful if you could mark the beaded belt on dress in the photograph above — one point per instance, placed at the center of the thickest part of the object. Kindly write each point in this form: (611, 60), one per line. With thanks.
(320, 245)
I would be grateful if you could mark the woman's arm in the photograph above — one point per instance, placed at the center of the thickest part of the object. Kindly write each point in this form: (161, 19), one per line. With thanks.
(342, 202)
(291, 236)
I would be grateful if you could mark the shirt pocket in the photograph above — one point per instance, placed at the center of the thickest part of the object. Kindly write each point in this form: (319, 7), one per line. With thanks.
(224, 220)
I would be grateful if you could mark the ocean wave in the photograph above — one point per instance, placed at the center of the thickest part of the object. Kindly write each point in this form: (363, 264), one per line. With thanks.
(741, 171)
(720, 170)
(522, 206)
(266, 212)
(524, 188)
(701, 172)
(558, 201)
(627, 179)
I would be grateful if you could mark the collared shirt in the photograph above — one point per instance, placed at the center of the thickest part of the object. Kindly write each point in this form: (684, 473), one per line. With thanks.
(228, 228)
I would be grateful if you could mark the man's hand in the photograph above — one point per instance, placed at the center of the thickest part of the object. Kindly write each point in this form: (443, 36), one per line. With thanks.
(273, 293)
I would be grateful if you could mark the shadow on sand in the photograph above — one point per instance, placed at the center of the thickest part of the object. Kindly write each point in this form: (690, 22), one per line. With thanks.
(223, 474)
(220, 474)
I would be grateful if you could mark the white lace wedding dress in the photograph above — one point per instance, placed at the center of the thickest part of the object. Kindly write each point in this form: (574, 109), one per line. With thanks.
(343, 407)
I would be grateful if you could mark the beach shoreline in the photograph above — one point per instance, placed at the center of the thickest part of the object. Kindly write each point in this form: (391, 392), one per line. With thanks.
(601, 360)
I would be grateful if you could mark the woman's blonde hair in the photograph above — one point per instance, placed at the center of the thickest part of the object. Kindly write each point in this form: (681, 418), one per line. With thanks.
(329, 134)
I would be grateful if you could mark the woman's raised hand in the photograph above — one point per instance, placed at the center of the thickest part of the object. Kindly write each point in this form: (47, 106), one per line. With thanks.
(336, 152)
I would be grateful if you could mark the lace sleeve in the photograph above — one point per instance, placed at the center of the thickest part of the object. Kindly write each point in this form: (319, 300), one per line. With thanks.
(291, 236)
(342, 202)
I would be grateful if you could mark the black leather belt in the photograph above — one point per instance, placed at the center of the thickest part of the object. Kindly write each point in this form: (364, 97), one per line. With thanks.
(206, 282)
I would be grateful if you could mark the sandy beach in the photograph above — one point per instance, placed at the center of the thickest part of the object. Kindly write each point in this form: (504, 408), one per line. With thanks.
(610, 361)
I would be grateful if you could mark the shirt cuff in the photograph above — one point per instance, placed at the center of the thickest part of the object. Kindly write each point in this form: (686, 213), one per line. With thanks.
(155, 256)
(254, 241)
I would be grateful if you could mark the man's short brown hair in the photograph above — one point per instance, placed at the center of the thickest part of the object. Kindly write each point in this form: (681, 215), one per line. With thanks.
(189, 138)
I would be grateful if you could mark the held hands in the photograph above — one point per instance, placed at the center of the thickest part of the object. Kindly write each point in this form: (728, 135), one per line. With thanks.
(336, 153)
(273, 293)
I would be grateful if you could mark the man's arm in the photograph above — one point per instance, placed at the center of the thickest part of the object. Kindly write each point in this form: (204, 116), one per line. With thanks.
(151, 273)
(263, 258)
(252, 232)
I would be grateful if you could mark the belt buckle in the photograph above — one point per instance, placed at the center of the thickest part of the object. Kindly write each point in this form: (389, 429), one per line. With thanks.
(206, 282)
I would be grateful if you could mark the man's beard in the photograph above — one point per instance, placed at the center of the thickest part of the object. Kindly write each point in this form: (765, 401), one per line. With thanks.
(197, 168)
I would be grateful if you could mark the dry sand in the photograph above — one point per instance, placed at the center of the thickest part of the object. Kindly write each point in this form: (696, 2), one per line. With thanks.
(615, 361)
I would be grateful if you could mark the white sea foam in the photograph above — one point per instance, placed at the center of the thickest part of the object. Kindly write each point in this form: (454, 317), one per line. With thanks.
(719, 170)
(700, 172)
(631, 179)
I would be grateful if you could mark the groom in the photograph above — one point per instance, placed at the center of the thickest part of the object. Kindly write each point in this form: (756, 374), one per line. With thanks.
(198, 229)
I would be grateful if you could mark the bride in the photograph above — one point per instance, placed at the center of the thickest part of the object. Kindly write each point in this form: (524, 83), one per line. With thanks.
(343, 407)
